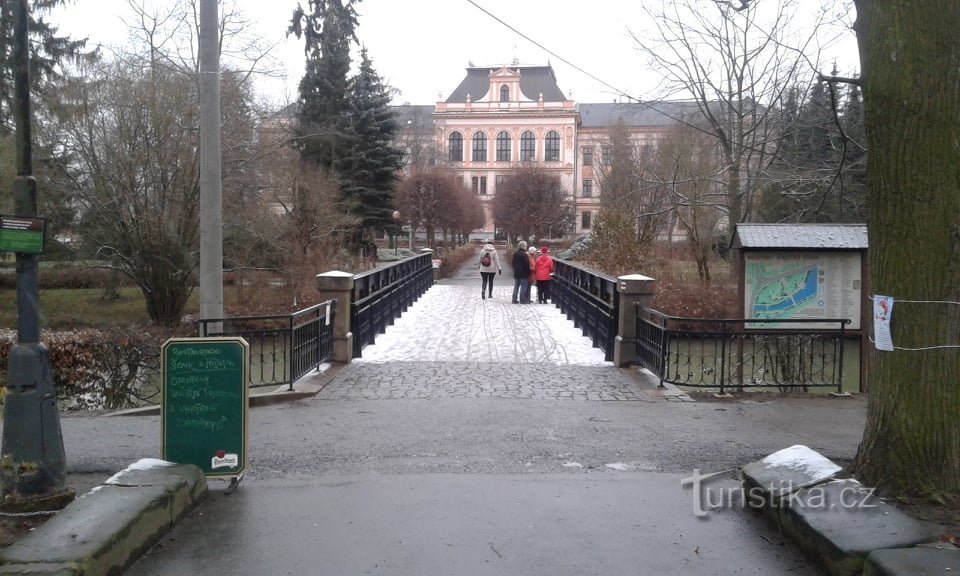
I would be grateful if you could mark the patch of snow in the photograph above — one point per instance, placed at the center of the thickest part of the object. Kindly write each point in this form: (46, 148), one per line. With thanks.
(141, 464)
(618, 466)
(572, 465)
(804, 459)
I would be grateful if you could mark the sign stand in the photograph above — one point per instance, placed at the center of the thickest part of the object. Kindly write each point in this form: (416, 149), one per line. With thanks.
(204, 405)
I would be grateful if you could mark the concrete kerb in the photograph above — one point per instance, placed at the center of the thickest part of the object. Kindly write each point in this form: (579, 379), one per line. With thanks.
(109, 527)
(839, 521)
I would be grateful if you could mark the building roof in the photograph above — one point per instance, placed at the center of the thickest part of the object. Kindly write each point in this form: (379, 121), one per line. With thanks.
(802, 236)
(634, 113)
(534, 81)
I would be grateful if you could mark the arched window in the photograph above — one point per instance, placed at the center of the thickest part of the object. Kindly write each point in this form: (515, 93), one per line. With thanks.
(504, 94)
(455, 144)
(528, 147)
(503, 147)
(479, 147)
(551, 147)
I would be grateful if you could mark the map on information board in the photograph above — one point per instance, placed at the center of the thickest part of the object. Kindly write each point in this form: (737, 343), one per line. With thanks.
(809, 285)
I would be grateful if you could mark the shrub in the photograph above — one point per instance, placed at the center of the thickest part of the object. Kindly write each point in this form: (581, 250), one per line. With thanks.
(94, 369)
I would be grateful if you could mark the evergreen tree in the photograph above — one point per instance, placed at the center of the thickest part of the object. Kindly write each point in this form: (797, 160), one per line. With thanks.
(853, 189)
(808, 182)
(327, 31)
(369, 166)
(48, 51)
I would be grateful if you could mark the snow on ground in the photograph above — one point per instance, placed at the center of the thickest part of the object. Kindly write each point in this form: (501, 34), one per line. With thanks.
(450, 322)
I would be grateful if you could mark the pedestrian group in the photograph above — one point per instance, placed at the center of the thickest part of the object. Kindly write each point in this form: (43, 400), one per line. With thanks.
(529, 268)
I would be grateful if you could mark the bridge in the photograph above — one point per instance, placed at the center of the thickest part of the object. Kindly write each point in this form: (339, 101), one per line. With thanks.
(474, 436)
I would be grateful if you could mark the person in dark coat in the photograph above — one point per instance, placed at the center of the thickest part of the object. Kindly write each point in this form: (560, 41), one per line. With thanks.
(521, 273)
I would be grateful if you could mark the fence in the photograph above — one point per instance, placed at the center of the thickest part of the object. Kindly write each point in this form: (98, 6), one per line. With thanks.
(282, 348)
(380, 295)
(590, 300)
(741, 353)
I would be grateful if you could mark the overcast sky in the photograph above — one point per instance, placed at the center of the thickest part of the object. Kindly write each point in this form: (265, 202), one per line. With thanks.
(422, 47)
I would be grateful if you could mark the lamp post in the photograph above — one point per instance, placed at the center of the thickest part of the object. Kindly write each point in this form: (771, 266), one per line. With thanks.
(396, 237)
(32, 463)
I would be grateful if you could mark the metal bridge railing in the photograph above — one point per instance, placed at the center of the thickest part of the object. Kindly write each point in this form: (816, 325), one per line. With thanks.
(283, 348)
(589, 299)
(382, 294)
(741, 352)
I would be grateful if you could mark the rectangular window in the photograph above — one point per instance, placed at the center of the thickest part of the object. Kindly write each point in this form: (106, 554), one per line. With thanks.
(588, 156)
(479, 184)
(585, 220)
(499, 182)
(607, 155)
(587, 188)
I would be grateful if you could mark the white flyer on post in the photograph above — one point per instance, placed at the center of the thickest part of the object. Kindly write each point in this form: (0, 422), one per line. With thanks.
(882, 311)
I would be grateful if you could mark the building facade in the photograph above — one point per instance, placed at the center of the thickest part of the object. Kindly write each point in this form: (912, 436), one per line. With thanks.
(501, 119)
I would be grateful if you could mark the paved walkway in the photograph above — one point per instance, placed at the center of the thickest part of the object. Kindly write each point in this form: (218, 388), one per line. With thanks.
(454, 344)
(483, 437)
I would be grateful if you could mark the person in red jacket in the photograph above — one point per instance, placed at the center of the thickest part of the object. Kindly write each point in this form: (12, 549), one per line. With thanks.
(544, 269)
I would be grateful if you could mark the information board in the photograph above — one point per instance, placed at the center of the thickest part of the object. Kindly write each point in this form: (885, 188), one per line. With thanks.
(204, 403)
(810, 285)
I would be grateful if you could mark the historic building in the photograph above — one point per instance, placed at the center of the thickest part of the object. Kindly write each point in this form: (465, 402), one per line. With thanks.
(500, 119)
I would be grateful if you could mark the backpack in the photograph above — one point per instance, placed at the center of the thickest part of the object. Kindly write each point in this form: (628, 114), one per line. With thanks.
(485, 259)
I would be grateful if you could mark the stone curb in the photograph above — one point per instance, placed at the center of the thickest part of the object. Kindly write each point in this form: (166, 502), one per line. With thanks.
(109, 527)
(840, 522)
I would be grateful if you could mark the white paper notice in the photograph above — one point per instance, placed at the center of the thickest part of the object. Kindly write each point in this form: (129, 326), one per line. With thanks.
(882, 311)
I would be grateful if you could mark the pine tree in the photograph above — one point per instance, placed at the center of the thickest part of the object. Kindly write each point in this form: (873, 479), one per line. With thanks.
(369, 166)
(327, 30)
(48, 51)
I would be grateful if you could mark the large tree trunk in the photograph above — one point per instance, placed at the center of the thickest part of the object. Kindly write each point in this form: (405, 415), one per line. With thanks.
(910, 60)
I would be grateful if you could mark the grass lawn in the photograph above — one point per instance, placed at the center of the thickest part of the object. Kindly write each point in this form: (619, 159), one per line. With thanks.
(66, 309)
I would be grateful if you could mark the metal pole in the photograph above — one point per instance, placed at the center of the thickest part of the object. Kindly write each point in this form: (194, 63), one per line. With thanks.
(33, 464)
(211, 217)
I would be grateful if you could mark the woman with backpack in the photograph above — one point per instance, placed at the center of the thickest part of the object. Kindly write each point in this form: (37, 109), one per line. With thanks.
(489, 267)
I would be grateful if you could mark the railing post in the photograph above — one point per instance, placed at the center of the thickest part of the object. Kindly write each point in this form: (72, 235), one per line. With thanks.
(635, 290)
(338, 286)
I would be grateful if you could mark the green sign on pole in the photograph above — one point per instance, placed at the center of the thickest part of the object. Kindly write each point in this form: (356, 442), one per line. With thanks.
(204, 404)
(23, 235)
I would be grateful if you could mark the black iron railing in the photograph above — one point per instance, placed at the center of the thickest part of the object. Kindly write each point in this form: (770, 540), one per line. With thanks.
(589, 299)
(742, 352)
(382, 294)
(282, 348)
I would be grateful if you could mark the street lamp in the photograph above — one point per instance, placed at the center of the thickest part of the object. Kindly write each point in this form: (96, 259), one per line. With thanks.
(396, 237)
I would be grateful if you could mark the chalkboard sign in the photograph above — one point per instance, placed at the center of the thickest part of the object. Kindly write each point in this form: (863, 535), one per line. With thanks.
(204, 409)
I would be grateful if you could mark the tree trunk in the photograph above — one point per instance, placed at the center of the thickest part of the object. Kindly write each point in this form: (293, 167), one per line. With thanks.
(910, 60)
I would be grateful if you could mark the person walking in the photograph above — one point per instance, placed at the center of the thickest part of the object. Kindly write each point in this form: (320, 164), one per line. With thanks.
(532, 277)
(489, 263)
(544, 272)
(521, 272)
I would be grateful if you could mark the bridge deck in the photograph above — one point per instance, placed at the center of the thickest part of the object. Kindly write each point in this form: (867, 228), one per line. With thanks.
(452, 323)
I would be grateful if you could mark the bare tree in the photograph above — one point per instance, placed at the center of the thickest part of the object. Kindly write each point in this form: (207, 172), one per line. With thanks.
(686, 172)
(736, 64)
(532, 202)
(132, 130)
(131, 127)
(428, 199)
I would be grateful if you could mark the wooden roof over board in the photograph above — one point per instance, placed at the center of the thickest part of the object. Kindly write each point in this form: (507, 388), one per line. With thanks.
(801, 237)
